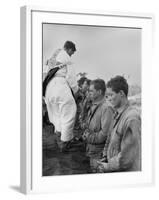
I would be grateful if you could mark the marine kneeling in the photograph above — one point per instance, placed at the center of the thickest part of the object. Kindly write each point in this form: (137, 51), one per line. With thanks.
(99, 122)
(124, 150)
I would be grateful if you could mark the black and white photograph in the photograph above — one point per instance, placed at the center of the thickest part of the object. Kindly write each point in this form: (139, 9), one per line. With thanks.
(91, 99)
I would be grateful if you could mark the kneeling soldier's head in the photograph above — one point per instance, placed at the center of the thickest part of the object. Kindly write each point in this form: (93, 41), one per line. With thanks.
(117, 91)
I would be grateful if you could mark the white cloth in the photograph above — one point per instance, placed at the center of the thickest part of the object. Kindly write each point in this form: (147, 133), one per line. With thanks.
(60, 103)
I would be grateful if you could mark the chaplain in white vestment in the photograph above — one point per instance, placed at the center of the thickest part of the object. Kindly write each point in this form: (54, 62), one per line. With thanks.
(59, 99)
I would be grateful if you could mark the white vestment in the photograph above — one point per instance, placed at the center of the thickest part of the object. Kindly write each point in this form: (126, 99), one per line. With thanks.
(60, 103)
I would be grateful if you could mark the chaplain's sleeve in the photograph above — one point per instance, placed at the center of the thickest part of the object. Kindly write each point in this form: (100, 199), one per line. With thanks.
(51, 62)
(130, 147)
(64, 58)
(71, 78)
(106, 125)
(45, 70)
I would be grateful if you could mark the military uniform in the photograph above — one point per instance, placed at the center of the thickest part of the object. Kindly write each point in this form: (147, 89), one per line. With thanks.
(124, 150)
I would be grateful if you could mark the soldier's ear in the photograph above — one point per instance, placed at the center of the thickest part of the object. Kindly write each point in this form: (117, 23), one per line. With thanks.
(100, 92)
(122, 93)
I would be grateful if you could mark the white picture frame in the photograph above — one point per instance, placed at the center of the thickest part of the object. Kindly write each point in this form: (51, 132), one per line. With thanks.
(31, 76)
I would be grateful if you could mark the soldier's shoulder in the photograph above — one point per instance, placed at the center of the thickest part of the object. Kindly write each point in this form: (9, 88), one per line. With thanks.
(133, 112)
(108, 106)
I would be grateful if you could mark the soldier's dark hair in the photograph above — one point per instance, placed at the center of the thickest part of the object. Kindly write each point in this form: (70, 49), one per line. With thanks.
(99, 84)
(117, 84)
(70, 45)
(81, 81)
(88, 81)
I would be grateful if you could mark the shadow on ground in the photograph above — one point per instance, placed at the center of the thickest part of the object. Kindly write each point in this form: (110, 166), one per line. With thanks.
(15, 187)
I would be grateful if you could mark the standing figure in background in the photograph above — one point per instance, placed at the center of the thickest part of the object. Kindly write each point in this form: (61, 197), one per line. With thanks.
(59, 98)
(85, 104)
(82, 103)
(124, 150)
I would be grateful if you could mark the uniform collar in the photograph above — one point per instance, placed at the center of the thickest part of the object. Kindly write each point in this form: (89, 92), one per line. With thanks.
(120, 110)
(98, 102)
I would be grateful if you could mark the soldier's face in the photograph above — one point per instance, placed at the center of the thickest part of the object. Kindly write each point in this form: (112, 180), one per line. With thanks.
(93, 93)
(114, 98)
(70, 52)
(85, 86)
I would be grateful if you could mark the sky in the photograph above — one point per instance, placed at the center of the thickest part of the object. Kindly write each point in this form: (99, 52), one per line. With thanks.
(102, 52)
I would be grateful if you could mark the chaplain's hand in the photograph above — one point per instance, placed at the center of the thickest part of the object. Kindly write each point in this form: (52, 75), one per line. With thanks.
(83, 137)
(102, 166)
(85, 134)
(104, 159)
(84, 124)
